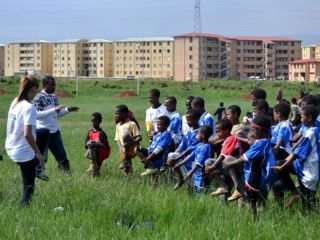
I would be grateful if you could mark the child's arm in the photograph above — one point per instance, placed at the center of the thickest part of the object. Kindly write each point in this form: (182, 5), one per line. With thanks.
(244, 140)
(288, 160)
(177, 166)
(137, 139)
(191, 172)
(227, 165)
(216, 164)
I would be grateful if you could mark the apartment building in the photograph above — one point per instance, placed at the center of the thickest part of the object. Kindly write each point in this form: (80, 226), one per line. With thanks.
(98, 58)
(305, 70)
(1, 59)
(265, 57)
(144, 58)
(203, 56)
(68, 57)
(311, 51)
(28, 56)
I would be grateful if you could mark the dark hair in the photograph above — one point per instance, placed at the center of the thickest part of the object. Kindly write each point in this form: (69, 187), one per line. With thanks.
(262, 122)
(26, 84)
(124, 109)
(249, 114)
(259, 93)
(165, 120)
(190, 98)
(283, 109)
(198, 101)
(262, 105)
(310, 100)
(155, 92)
(235, 109)
(172, 99)
(97, 116)
(47, 79)
(194, 114)
(221, 104)
(206, 130)
(294, 100)
(225, 124)
(310, 110)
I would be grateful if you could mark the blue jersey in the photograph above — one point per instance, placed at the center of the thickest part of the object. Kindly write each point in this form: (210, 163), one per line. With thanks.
(200, 155)
(308, 157)
(163, 142)
(258, 172)
(207, 119)
(175, 127)
(303, 128)
(283, 130)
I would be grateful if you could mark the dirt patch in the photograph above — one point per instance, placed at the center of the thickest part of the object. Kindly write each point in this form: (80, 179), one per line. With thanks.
(2, 91)
(125, 94)
(246, 97)
(62, 94)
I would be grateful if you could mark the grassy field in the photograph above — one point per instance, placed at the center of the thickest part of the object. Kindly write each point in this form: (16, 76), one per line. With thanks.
(112, 207)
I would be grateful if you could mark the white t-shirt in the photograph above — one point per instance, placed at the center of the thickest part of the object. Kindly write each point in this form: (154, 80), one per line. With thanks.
(185, 126)
(152, 115)
(20, 114)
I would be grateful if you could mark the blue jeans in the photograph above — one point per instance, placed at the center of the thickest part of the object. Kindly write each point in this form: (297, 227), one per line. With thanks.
(55, 144)
(28, 174)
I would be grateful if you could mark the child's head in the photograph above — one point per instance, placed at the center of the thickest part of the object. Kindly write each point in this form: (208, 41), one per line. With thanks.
(154, 96)
(163, 123)
(251, 137)
(96, 119)
(261, 107)
(204, 133)
(261, 127)
(223, 128)
(294, 101)
(171, 104)
(281, 112)
(221, 104)
(198, 104)
(188, 102)
(193, 117)
(258, 94)
(309, 100)
(233, 113)
(121, 113)
(309, 115)
(249, 114)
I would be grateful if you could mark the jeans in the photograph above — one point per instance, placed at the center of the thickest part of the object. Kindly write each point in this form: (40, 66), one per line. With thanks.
(55, 144)
(28, 174)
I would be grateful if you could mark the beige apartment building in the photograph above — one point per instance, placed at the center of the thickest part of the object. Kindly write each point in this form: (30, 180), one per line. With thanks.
(311, 51)
(143, 58)
(1, 59)
(98, 58)
(305, 70)
(67, 57)
(28, 56)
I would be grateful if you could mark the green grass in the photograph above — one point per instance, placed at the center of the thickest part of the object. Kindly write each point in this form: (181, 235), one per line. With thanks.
(112, 207)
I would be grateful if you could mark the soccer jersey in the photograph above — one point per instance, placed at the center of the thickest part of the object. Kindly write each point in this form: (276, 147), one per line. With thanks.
(258, 173)
(283, 130)
(185, 126)
(152, 115)
(303, 128)
(308, 157)
(127, 128)
(200, 155)
(231, 147)
(161, 142)
(207, 119)
(175, 127)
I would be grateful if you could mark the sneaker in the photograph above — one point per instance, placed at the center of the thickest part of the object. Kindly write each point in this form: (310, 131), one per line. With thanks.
(235, 196)
(292, 200)
(41, 175)
(178, 184)
(220, 191)
(122, 165)
(149, 171)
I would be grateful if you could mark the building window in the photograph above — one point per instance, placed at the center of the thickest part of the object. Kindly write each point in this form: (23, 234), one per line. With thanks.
(191, 39)
(190, 48)
(190, 65)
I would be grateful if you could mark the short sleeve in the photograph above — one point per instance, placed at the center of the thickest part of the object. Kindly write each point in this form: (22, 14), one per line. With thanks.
(284, 134)
(229, 146)
(203, 155)
(29, 116)
(303, 149)
(135, 130)
(148, 116)
(165, 140)
(255, 151)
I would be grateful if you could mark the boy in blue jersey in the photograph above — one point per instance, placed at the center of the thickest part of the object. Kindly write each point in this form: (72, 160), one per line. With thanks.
(175, 126)
(304, 162)
(201, 153)
(206, 118)
(282, 133)
(186, 147)
(153, 157)
(257, 162)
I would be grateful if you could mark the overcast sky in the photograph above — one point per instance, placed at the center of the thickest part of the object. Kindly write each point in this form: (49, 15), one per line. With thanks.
(118, 19)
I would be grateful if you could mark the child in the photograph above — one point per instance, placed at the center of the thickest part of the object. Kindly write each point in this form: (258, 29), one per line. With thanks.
(247, 119)
(175, 120)
(127, 137)
(97, 145)
(185, 126)
(304, 162)
(200, 155)
(231, 148)
(154, 157)
(186, 147)
(282, 133)
(219, 111)
(206, 118)
(257, 164)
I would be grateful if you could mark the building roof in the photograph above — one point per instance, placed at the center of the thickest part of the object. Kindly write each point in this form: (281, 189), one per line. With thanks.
(1, 45)
(150, 39)
(265, 39)
(99, 41)
(311, 45)
(303, 61)
(69, 41)
(30, 41)
(207, 35)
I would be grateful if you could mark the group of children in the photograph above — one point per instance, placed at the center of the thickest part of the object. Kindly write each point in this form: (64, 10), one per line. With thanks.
(252, 157)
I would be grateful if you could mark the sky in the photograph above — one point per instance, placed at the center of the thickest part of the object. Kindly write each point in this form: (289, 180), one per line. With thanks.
(54, 20)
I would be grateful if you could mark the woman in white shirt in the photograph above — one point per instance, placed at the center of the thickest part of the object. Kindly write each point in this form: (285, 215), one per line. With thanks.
(20, 142)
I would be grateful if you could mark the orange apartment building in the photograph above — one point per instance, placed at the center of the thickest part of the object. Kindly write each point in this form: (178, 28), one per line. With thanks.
(305, 70)
(311, 51)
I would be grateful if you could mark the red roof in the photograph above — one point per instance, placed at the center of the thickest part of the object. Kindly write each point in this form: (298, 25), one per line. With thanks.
(302, 61)
(203, 35)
